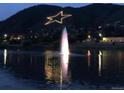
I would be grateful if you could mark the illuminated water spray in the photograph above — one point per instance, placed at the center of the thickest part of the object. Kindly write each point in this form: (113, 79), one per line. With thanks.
(64, 56)
(64, 43)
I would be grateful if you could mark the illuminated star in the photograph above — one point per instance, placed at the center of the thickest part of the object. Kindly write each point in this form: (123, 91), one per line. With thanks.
(52, 19)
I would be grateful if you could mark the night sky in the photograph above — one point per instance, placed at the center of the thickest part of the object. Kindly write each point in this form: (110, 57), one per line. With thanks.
(7, 10)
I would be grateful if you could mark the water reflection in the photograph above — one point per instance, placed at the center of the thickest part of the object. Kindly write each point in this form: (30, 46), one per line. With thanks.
(5, 57)
(64, 70)
(64, 67)
(52, 66)
(56, 67)
(89, 58)
(100, 62)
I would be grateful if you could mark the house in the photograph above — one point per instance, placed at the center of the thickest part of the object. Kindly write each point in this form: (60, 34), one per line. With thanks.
(112, 39)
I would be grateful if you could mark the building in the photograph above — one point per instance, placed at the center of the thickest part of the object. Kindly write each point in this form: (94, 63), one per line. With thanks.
(112, 39)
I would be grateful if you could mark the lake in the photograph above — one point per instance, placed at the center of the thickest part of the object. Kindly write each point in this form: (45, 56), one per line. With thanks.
(49, 70)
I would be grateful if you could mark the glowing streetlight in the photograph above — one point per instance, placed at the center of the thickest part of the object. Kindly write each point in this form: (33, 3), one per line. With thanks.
(89, 36)
(100, 34)
(18, 38)
(99, 27)
(5, 35)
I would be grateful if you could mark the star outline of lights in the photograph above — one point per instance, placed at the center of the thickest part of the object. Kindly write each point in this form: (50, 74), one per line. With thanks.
(63, 16)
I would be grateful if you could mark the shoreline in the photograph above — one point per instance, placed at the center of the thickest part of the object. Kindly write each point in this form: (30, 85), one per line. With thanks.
(85, 45)
(94, 45)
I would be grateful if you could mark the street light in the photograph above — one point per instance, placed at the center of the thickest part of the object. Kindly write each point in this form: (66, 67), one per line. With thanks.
(5, 35)
(89, 36)
(100, 34)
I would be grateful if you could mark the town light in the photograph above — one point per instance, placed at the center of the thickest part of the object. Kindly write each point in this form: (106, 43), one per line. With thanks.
(19, 38)
(5, 35)
(100, 34)
(89, 36)
(104, 39)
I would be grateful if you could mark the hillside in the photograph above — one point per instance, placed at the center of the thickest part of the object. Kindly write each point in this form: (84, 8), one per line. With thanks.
(84, 20)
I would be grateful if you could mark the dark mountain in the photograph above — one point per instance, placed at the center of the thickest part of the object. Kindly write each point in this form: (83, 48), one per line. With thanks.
(24, 20)
(84, 19)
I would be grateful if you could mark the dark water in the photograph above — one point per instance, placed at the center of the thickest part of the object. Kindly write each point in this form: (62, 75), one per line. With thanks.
(87, 69)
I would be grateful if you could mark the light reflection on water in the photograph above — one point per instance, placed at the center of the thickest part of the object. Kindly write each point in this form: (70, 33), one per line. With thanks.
(94, 67)
(100, 62)
(89, 57)
(5, 57)
(64, 69)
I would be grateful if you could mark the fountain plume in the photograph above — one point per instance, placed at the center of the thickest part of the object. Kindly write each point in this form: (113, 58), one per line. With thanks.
(64, 56)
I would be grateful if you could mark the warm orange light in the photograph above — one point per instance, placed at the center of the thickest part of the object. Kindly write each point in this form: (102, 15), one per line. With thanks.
(51, 18)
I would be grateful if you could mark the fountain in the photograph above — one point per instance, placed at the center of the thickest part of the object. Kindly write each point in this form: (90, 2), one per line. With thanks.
(52, 71)
(64, 56)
